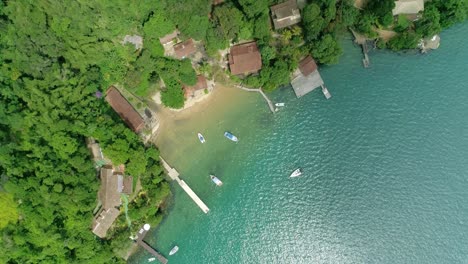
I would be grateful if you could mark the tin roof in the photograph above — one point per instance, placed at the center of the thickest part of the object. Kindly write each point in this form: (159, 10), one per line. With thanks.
(125, 110)
(307, 65)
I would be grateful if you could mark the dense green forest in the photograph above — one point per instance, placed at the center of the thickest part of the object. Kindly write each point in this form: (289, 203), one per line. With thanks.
(56, 55)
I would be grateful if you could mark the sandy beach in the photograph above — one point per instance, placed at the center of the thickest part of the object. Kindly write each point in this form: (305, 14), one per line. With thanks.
(178, 127)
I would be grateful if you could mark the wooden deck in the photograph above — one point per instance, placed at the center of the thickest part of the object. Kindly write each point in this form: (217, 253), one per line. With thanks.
(152, 251)
(174, 175)
(259, 90)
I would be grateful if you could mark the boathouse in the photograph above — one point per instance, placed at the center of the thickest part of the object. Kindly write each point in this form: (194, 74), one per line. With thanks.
(125, 110)
(245, 59)
(285, 14)
(306, 78)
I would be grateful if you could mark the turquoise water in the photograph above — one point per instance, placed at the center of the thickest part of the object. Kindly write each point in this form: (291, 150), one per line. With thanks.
(385, 169)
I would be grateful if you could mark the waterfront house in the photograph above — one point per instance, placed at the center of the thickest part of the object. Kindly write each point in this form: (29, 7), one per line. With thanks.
(104, 221)
(285, 14)
(169, 38)
(408, 7)
(124, 184)
(111, 187)
(307, 65)
(125, 110)
(184, 49)
(307, 77)
(245, 59)
(198, 89)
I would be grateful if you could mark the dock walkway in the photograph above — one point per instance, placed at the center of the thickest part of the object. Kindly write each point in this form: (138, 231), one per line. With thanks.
(174, 175)
(259, 90)
(141, 235)
(362, 40)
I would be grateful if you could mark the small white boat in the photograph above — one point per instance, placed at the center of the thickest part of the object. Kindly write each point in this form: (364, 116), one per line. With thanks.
(279, 104)
(201, 138)
(173, 250)
(216, 180)
(151, 259)
(231, 136)
(296, 173)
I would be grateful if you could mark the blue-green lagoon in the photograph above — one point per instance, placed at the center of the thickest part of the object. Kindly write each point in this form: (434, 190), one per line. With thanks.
(385, 164)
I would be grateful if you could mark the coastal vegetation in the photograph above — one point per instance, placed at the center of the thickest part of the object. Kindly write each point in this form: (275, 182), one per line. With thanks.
(436, 16)
(56, 62)
(59, 58)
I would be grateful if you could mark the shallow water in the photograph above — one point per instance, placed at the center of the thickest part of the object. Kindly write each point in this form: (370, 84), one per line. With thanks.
(384, 161)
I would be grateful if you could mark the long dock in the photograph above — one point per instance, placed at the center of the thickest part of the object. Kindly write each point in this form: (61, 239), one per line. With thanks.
(140, 236)
(174, 175)
(259, 90)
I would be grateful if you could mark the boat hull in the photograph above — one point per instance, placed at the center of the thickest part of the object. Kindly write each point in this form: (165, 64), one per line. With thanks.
(231, 137)
(173, 250)
(216, 181)
(296, 173)
(201, 138)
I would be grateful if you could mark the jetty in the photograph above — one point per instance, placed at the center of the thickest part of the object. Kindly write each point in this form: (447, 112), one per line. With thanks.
(259, 90)
(362, 40)
(139, 240)
(325, 92)
(174, 175)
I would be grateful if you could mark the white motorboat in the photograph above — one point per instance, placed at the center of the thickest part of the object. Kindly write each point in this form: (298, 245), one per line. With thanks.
(201, 138)
(151, 259)
(279, 104)
(296, 173)
(173, 250)
(230, 136)
(216, 180)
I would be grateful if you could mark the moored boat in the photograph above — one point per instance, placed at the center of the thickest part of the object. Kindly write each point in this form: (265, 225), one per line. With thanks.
(173, 250)
(296, 173)
(201, 138)
(230, 136)
(279, 104)
(216, 180)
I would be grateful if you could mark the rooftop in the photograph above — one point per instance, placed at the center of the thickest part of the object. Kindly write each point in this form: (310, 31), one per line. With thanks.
(307, 65)
(303, 85)
(200, 85)
(285, 14)
(104, 221)
(169, 37)
(109, 192)
(184, 49)
(408, 7)
(125, 110)
(245, 59)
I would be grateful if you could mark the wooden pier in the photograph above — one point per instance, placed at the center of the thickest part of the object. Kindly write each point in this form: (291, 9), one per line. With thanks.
(174, 175)
(140, 236)
(259, 90)
(362, 40)
(326, 92)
